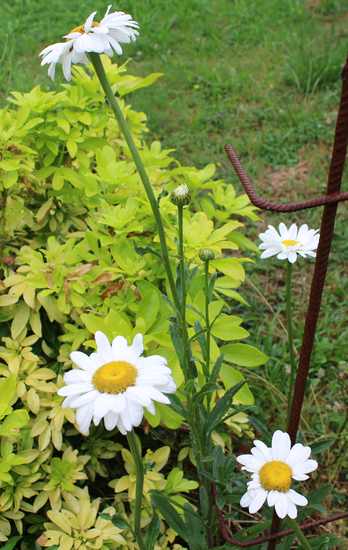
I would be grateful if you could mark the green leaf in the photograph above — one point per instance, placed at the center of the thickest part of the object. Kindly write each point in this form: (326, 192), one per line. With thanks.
(150, 304)
(57, 181)
(218, 413)
(14, 421)
(206, 390)
(152, 532)
(176, 483)
(226, 327)
(130, 83)
(119, 522)
(195, 526)
(200, 336)
(231, 267)
(216, 369)
(243, 242)
(8, 300)
(244, 355)
(126, 257)
(322, 445)
(7, 394)
(230, 377)
(170, 515)
(44, 209)
(11, 543)
(20, 319)
(168, 416)
(177, 405)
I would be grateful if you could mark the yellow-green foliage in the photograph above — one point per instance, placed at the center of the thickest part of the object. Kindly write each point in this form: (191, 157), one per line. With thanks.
(80, 253)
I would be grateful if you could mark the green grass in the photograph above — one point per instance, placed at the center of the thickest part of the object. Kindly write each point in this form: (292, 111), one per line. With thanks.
(265, 76)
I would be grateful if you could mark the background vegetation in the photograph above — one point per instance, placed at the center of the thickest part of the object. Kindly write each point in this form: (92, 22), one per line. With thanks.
(264, 75)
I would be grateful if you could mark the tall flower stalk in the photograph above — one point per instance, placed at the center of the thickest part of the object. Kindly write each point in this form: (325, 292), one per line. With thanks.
(179, 304)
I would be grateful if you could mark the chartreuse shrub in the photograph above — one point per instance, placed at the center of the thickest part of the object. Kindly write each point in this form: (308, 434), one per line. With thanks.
(80, 254)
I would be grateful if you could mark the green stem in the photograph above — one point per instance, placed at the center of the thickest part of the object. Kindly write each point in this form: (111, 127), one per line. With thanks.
(182, 263)
(207, 320)
(99, 69)
(133, 446)
(182, 298)
(290, 333)
(299, 534)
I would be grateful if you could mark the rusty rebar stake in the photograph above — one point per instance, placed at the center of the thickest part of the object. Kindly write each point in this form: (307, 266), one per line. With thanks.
(329, 201)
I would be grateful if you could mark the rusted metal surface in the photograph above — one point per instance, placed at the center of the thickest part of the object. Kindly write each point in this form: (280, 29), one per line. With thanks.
(264, 204)
(330, 202)
(274, 537)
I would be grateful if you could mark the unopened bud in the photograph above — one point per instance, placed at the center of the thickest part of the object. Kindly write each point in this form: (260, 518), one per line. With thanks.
(181, 195)
(206, 255)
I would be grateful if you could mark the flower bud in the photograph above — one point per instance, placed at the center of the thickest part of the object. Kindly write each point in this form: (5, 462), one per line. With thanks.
(181, 195)
(206, 254)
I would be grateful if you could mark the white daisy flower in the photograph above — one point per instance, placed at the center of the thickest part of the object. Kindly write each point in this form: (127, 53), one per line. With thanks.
(288, 243)
(116, 383)
(273, 469)
(105, 36)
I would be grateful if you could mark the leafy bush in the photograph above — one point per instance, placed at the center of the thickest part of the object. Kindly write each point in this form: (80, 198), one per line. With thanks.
(80, 254)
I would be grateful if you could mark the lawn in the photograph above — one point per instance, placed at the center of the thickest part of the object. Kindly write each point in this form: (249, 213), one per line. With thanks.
(265, 76)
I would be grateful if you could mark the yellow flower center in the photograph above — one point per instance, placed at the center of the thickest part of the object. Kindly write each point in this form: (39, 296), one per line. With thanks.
(81, 29)
(275, 476)
(289, 242)
(114, 377)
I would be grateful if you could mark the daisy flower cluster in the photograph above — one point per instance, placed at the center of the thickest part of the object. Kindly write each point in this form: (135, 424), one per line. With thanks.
(287, 244)
(273, 469)
(106, 36)
(116, 383)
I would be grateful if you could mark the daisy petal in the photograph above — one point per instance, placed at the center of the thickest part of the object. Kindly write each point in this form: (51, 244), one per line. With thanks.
(296, 498)
(102, 341)
(281, 505)
(250, 463)
(245, 500)
(110, 421)
(84, 418)
(258, 498)
(292, 510)
(298, 453)
(138, 344)
(81, 360)
(281, 445)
